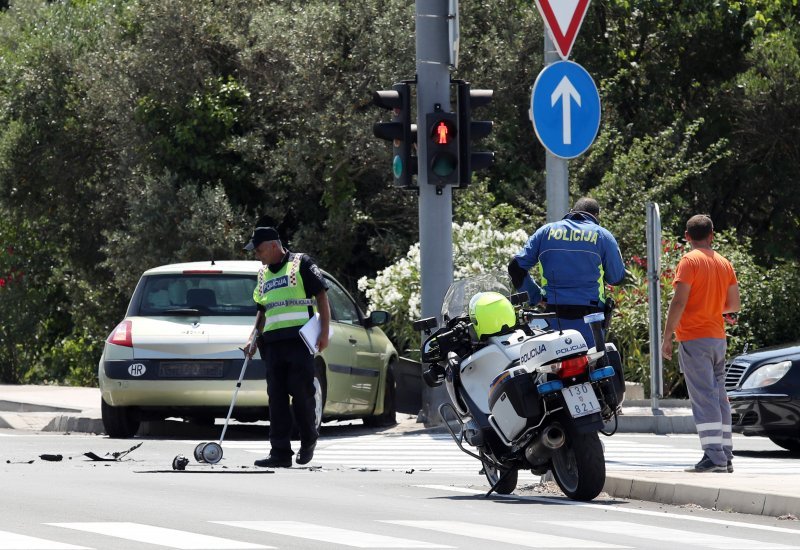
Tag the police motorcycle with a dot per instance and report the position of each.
(523, 393)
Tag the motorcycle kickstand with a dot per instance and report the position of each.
(499, 480)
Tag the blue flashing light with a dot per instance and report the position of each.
(549, 387)
(600, 374)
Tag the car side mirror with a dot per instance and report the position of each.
(378, 318)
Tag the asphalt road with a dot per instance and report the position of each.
(139, 502)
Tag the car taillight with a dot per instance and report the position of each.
(202, 271)
(121, 335)
(573, 367)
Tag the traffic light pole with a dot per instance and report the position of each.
(556, 169)
(435, 202)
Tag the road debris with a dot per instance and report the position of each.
(179, 462)
(111, 457)
(52, 458)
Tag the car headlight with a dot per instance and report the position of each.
(766, 375)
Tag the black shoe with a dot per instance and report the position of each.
(705, 465)
(730, 466)
(273, 461)
(305, 454)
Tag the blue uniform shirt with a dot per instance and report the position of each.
(577, 258)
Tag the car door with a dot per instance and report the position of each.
(360, 377)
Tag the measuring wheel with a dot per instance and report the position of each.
(198, 452)
(211, 452)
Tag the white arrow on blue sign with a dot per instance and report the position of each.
(565, 109)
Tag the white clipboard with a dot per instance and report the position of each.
(310, 333)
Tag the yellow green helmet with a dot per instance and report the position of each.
(491, 313)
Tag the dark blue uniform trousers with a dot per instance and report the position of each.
(290, 372)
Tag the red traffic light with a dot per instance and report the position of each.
(443, 132)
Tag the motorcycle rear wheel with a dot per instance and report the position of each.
(579, 466)
(493, 473)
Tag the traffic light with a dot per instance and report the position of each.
(469, 130)
(399, 131)
(442, 136)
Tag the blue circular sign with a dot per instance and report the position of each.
(565, 109)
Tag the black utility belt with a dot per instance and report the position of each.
(571, 312)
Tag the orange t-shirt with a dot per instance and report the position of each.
(709, 275)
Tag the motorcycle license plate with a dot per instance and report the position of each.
(581, 399)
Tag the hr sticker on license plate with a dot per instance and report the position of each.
(581, 399)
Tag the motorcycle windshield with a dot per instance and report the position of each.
(456, 300)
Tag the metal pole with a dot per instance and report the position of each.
(435, 203)
(556, 169)
(654, 299)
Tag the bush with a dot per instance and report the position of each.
(477, 248)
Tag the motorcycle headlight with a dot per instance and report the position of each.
(767, 375)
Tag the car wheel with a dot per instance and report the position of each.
(320, 394)
(789, 443)
(389, 415)
(206, 420)
(119, 422)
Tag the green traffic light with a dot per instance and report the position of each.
(397, 166)
(443, 164)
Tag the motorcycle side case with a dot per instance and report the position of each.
(519, 388)
(614, 387)
(479, 369)
(513, 400)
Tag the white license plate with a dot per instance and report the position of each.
(581, 399)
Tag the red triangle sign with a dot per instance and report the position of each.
(563, 19)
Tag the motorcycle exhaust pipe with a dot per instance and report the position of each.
(553, 436)
(541, 448)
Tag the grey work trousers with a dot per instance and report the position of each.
(702, 362)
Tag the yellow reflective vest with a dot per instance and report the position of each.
(283, 296)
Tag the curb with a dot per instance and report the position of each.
(679, 493)
(656, 424)
(78, 424)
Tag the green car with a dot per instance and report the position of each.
(177, 353)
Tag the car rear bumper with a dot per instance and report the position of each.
(764, 414)
(176, 383)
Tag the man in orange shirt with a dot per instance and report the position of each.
(705, 288)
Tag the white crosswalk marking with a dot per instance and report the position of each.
(333, 535)
(437, 453)
(677, 537)
(541, 534)
(161, 536)
(505, 535)
(420, 452)
(13, 541)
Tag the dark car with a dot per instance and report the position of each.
(764, 391)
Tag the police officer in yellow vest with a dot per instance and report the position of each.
(290, 290)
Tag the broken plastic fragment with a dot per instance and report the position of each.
(52, 458)
(111, 457)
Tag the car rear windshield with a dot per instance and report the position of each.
(193, 294)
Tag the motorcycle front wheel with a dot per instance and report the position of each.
(579, 466)
(493, 474)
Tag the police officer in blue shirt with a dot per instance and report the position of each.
(577, 258)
